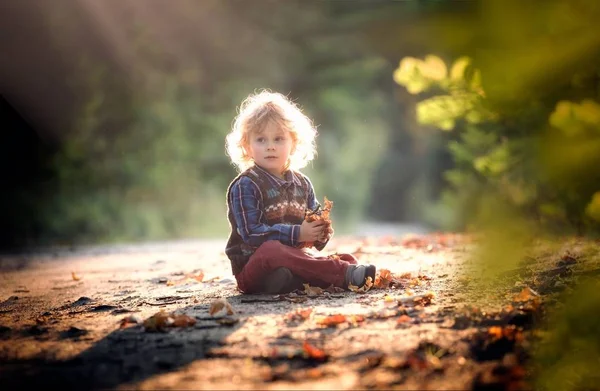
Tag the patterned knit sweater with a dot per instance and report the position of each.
(277, 205)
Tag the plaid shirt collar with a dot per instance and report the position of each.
(289, 178)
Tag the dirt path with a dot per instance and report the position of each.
(60, 323)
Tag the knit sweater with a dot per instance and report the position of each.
(262, 207)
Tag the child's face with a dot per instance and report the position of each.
(271, 148)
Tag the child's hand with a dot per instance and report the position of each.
(310, 232)
(326, 233)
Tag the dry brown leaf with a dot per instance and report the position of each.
(312, 290)
(364, 288)
(418, 300)
(219, 305)
(299, 315)
(403, 319)
(383, 279)
(183, 320)
(130, 321)
(334, 289)
(525, 295)
(320, 214)
(158, 322)
(75, 277)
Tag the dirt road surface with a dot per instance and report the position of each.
(82, 319)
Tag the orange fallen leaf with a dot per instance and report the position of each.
(495, 332)
(199, 276)
(332, 320)
(299, 314)
(75, 277)
(403, 319)
(364, 288)
(525, 295)
(313, 352)
(383, 280)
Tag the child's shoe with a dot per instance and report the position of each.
(357, 275)
(282, 280)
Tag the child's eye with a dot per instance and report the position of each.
(260, 139)
(279, 138)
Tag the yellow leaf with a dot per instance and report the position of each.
(457, 72)
(593, 208)
(434, 68)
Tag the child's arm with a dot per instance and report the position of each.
(246, 204)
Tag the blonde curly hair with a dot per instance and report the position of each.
(259, 110)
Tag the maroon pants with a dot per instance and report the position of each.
(273, 254)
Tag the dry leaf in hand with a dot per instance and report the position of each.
(75, 277)
(319, 214)
(220, 305)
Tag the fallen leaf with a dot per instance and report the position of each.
(299, 315)
(313, 352)
(130, 321)
(158, 322)
(183, 320)
(220, 305)
(199, 276)
(364, 288)
(334, 289)
(403, 319)
(383, 279)
(525, 295)
(332, 320)
(312, 290)
(418, 300)
(75, 277)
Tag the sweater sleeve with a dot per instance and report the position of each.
(247, 207)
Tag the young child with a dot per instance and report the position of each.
(270, 141)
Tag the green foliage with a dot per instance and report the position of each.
(568, 355)
(532, 170)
